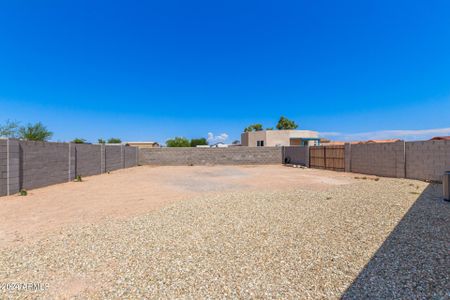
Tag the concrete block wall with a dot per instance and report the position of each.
(298, 155)
(88, 159)
(113, 157)
(427, 160)
(385, 159)
(131, 156)
(29, 164)
(44, 163)
(210, 156)
(3, 167)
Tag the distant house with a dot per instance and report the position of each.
(219, 145)
(143, 144)
(274, 138)
(380, 141)
(441, 138)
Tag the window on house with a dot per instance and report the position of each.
(260, 143)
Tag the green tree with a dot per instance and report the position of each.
(10, 129)
(114, 141)
(178, 142)
(254, 127)
(269, 128)
(285, 123)
(101, 141)
(200, 141)
(35, 132)
(78, 141)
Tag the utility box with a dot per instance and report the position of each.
(446, 185)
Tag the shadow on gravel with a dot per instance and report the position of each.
(414, 261)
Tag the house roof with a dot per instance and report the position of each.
(441, 138)
(380, 141)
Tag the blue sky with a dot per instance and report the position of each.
(151, 70)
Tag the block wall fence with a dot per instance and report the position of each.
(423, 160)
(184, 156)
(29, 164)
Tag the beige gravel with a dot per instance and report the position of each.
(307, 244)
(136, 191)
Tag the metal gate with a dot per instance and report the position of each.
(327, 157)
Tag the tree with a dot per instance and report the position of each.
(254, 127)
(236, 142)
(200, 141)
(114, 141)
(78, 141)
(101, 141)
(178, 142)
(36, 132)
(285, 124)
(10, 129)
(269, 128)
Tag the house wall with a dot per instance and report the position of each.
(273, 138)
(29, 164)
(211, 156)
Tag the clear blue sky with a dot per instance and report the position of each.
(150, 70)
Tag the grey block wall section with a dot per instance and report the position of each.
(45, 163)
(88, 159)
(348, 157)
(113, 157)
(3, 168)
(28, 164)
(131, 156)
(211, 156)
(385, 159)
(297, 155)
(427, 160)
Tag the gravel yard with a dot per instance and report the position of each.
(386, 238)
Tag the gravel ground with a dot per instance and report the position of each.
(296, 244)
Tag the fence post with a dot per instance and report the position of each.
(12, 166)
(122, 156)
(137, 156)
(400, 159)
(72, 162)
(307, 156)
(102, 158)
(348, 157)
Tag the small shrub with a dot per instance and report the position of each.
(78, 178)
(414, 193)
(328, 198)
(376, 179)
(356, 177)
(364, 178)
(23, 192)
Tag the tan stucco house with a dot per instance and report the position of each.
(143, 144)
(274, 138)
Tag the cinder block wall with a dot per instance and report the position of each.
(131, 156)
(427, 160)
(43, 163)
(3, 167)
(298, 155)
(88, 159)
(386, 159)
(211, 156)
(114, 157)
(29, 164)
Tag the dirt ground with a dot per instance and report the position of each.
(135, 191)
(246, 232)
